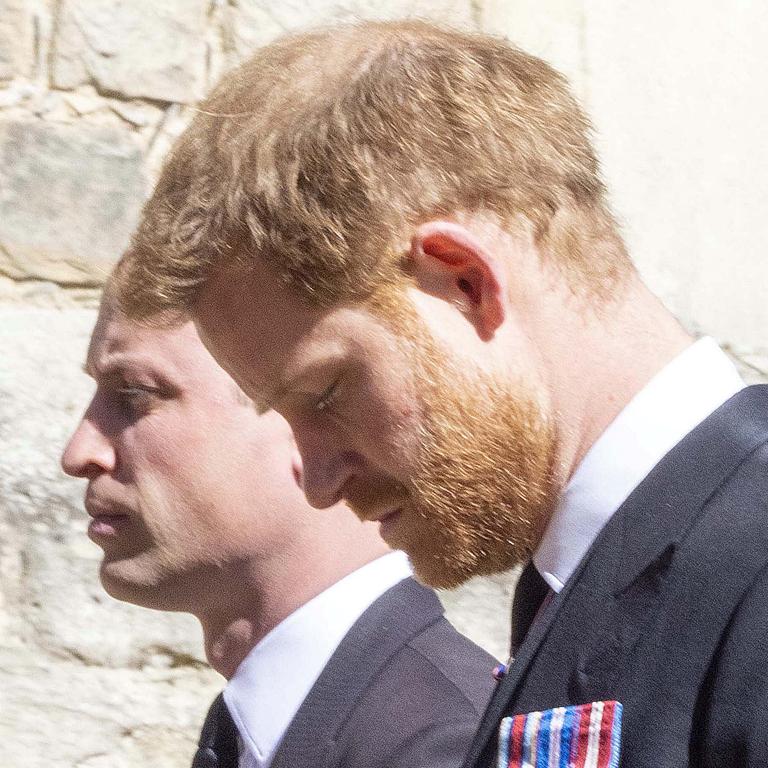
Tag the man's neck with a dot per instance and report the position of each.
(603, 362)
(226, 647)
(255, 604)
(230, 635)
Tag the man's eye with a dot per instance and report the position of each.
(130, 392)
(327, 399)
(136, 399)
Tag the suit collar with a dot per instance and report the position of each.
(270, 684)
(661, 510)
(646, 530)
(653, 521)
(397, 616)
(678, 398)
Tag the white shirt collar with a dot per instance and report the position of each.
(687, 390)
(273, 680)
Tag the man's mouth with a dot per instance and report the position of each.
(105, 522)
(105, 526)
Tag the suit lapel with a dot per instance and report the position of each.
(618, 583)
(510, 683)
(387, 625)
(666, 504)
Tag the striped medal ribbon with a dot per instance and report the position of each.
(583, 736)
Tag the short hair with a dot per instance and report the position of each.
(322, 152)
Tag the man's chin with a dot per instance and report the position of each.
(438, 578)
(446, 572)
(123, 581)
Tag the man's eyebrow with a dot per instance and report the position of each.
(114, 367)
(265, 402)
(111, 368)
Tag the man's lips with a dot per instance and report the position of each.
(107, 520)
(105, 526)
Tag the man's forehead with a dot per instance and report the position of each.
(117, 342)
(251, 323)
(258, 299)
(265, 359)
(266, 335)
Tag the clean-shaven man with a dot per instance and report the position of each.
(334, 655)
(397, 236)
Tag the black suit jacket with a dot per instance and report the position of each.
(403, 690)
(668, 611)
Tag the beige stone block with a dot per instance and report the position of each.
(69, 199)
(153, 49)
(136, 112)
(551, 29)
(252, 23)
(60, 713)
(679, 93)
(16, 39)
(69, 614)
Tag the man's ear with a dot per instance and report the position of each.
(450, 263)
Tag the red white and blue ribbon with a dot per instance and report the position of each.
(583, 736)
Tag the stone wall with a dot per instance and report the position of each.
(92, 94)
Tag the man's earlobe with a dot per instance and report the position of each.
(449, 262)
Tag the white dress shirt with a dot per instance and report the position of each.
(687, 390)
(273, 680)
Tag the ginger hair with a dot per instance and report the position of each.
(321, 153)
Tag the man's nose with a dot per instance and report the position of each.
(327, 467)
(89, 452)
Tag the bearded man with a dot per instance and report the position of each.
(333, 654)
(397, 236)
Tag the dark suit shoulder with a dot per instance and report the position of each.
(733, 705)
(458, 660)
(422, 708)
(668, 612)
(717, 621)
(742, 496)
(403, 690)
